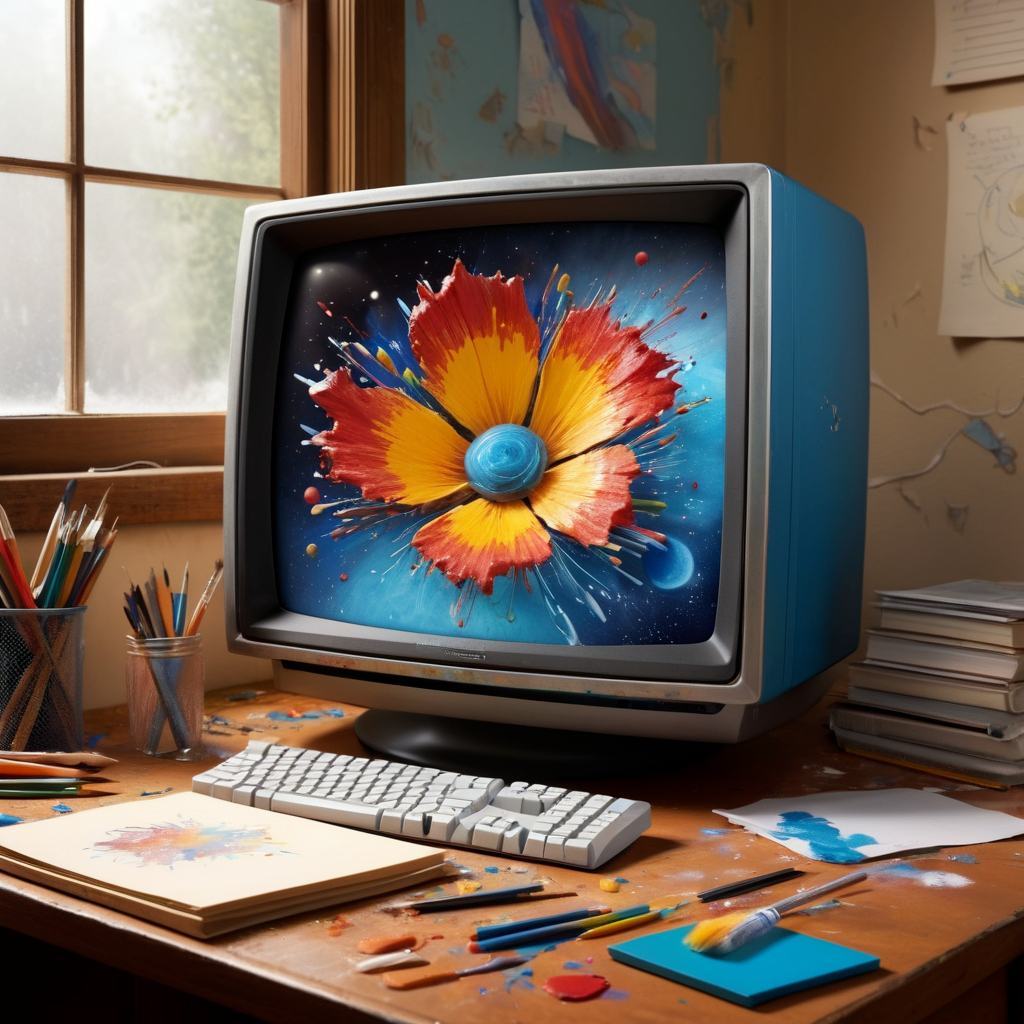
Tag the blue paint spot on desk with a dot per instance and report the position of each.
(8, 819)
(62, 808)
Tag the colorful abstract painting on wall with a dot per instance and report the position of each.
(508, 433)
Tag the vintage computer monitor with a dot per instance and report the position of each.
(583, 451)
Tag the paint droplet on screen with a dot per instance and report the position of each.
(311, 550)
(344, 577)
(609, 885)
(703, 316)
(563, 283)
(695, 485)
(445, 40)
(575, 987)
(461, 623)
(311, 495)
(641, 258)
(325, 309)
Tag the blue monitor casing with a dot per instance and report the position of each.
(774, 380)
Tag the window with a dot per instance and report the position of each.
(131, 137)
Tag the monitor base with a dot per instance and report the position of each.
(514, 752)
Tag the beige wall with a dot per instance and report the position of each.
(854, 76)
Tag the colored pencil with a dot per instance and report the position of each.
(493, 931)
(470, 899)
(553, 933)
(623, 925)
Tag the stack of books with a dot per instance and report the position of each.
(942, 685)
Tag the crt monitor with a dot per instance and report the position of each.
(584, 451)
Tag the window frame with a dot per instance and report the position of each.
(342, 79)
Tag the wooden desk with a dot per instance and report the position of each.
(948, 954)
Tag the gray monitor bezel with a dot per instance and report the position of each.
(280, 234)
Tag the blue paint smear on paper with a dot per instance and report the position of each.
(963, 858)
(8, 819)
(62, 808)
(827, 843)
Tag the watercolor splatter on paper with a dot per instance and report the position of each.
(852, 825)
(170, 843)
(514, 433)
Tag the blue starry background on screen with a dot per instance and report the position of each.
(344, 555)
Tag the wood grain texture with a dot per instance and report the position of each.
(70, 444)
(177, 495)
(938, 947)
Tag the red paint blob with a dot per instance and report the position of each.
(703, 316)
(641, 258)
(695, 485)
(311, 495)
(575, 986)
(461, 623)
(344, 577)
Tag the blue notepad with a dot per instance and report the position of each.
(774, 965)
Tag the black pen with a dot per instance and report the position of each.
(509, 895)
(748, 885)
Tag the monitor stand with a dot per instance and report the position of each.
(516, 752)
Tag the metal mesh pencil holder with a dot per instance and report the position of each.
(41, 659)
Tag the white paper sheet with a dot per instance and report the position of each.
(978, 40)
(850, 826)
(983, 275)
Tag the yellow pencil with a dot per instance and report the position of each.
(620, 926)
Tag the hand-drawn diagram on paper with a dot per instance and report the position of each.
(983, 275)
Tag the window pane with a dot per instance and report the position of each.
(32, 80)
(186, 87)
(159, 282)
(32, 261)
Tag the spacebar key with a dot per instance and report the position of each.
(337, 812)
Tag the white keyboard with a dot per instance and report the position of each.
(537, 822)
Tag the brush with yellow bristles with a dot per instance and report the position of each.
(723, 934)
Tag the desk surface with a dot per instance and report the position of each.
(935, 942)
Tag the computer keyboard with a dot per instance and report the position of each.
(537, 822)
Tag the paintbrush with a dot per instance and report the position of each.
(723, 934)
(204, 599)
(418, 979)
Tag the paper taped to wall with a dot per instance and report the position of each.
(977, 42)
(983, 273)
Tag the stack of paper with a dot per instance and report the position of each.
(942, 687)
(205, 866)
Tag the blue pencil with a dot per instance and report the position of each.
(493, 931)
(552, 933)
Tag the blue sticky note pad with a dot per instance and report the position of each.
(774, 965)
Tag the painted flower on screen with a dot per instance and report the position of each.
(496, 445)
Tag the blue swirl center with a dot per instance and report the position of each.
(506, 462)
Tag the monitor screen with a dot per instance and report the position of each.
(579, 366)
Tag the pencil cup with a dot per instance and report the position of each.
(41, 656)
(164, 680)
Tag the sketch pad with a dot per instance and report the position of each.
(777, 964)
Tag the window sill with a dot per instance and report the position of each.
(167, 495)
